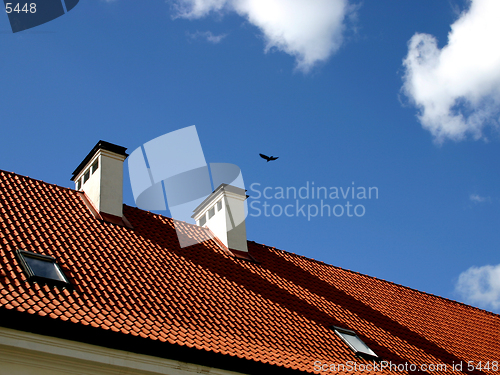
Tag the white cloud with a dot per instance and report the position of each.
(192, 9)
(479, 199)
(457, 88)
(208, 36)
(481, 286)
(309, 30)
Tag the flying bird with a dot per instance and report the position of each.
(268, 158)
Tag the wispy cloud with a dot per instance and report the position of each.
(309, 30)
(480, 286)
(457, 88)
(476, 198)
(208, 36)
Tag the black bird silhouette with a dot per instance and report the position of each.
(268, 158)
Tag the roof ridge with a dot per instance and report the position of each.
(170, 219)
(378, 278)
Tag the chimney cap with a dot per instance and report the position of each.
(101, 145)
(222, 188)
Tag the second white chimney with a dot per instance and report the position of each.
(223, 212)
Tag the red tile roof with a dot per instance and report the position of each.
(139, 283)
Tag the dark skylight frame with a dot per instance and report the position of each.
(355, 343)
(42, 269)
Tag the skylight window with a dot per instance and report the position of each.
(42, 268)
(211, 212)
(219, 205)
(354, 342)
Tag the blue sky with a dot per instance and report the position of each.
(370, 92)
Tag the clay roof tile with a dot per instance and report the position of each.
(140, 282)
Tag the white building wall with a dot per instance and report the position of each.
(24, 353)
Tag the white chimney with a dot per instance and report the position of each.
(223, 212)
(100, 176)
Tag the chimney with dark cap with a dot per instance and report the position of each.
(100, 176)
